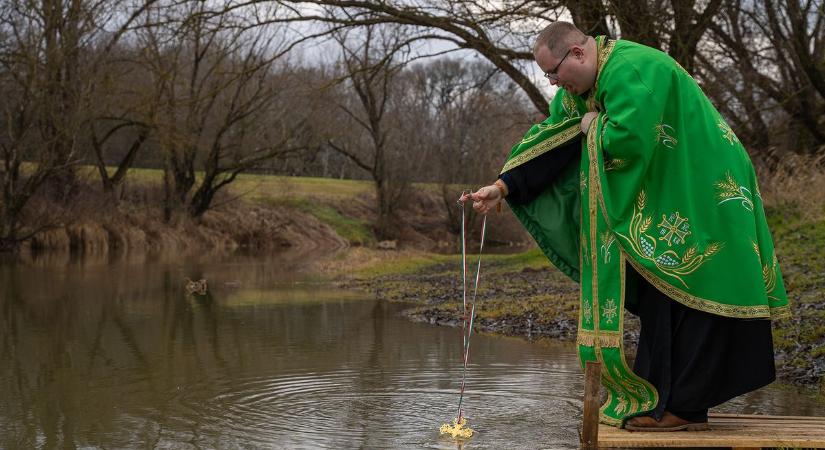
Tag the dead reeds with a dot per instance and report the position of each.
(793, 185)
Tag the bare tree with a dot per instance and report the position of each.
(499, 31)
(47, 81)
(119, 127)
(467, 115)
(372, 62)
(502, 32)
(761, 50)
(216, 84)
(770, 57)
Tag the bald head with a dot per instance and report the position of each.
(558, 37)
(568, 57)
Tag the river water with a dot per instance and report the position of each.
(118, 355)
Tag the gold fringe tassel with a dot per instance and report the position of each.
(605, 339)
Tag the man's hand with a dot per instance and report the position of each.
(585, 125)
(485, 198)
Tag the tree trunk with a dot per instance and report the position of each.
(589, 16)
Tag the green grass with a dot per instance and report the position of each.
(405, 266)
(306, 194)
(353, 230)
(530, 259)
(257, 187)
(262, 187)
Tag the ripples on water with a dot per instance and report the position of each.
(119, 356)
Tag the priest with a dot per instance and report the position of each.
(637, 187)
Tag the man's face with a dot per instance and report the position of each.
(568, 70)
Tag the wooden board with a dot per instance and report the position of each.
(728, 430)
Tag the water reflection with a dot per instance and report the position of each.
(120, 356)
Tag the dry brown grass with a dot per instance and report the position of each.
(794, 185)
(96, 223)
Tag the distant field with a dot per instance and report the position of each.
(269, 187)
(265, 187)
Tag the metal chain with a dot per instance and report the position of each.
(467, 329)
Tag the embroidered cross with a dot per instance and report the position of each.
(609, 311)
(674, 229)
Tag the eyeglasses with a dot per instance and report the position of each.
(553, 75)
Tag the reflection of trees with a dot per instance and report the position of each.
(37, 385)
(76, 359)
(97, 356)
(373, 370)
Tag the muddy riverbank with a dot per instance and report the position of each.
(523, 295)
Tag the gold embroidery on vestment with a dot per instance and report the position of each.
(603, 52)
(768, 271)
(668, 262)
(728, 190)
(542, 147)
(614, 164)
(607, 241)
(727, 132)
(665, 135)
(542, 127)
(674, 229)
(623, 386)
(702, 304)
(609, 310)
(605, 339)
(570, 107)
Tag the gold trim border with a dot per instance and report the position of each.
(545, 127)
(542, 147)
(710, 306)
(603, 52)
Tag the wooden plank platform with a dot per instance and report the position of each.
(727, 430)
(736, 431)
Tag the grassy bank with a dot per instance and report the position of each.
(258, 212)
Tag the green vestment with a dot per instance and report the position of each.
(664, 185)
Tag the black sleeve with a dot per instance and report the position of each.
(527, 181)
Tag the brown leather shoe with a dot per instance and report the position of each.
(669, 422)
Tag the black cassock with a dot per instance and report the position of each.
(696, 360)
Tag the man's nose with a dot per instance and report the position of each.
(553, 81)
